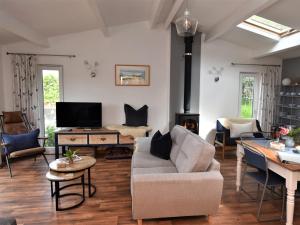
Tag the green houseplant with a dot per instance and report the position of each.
(70, 155)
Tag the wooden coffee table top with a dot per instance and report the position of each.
(85, 163)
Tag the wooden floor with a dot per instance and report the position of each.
(27, 197)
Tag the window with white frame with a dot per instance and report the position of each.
(249, 88)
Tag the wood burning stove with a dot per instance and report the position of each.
(188, 120)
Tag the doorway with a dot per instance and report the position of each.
(51, 91)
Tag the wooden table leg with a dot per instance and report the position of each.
(239, 156)
(291, 185)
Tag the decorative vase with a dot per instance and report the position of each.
(289, 142)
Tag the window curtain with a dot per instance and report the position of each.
(25, 87)
(270, 78)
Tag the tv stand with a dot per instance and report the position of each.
(90, 138)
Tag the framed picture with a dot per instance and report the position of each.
(132, 75)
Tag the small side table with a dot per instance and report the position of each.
(56, 178)
(86, 163)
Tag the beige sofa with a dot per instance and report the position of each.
(188, 184)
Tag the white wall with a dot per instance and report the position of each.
(128, 44)
(221, 99)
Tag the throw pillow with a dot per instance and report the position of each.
(136, 118)
(237, 128)
(21, 141)
(161, 145)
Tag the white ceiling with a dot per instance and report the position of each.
(285, 12)
(52, 17)
(248, 39)
(56, 17)
(6, 37)
(118, 12)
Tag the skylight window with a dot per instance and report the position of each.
(266, 27)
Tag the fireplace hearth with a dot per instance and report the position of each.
(188, 120)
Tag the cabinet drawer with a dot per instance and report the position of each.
(72, 139)
(126, 139)
(96, 139)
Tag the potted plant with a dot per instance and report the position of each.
(289, 135)
(70, 155)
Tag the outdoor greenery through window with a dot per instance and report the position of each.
(51, 96)
(247, 96)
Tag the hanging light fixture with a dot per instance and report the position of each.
(186, 26)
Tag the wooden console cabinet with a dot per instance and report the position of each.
(87, 138)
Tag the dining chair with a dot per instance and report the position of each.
(262, 176)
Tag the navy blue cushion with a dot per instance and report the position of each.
(21, 141)
(135, 117)
(161, 145)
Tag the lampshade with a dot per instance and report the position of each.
(186, 26)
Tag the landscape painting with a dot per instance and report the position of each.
(132, 75)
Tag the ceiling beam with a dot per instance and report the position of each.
(176, 6)
(94, 6)
(159, 5)
(11, 24)
(285, 44)
(245, 11)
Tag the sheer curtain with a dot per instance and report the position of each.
(270, 78)
(25, 87)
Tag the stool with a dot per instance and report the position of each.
(56, 178)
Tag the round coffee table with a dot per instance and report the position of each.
(86, 163)
(57, 177)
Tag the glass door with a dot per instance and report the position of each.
(51, 91)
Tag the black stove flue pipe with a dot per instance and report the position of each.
(187, 73)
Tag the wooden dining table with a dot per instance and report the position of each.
(291, 172)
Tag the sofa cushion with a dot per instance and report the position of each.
(21, 141)
(161, 145)
(146, 160)
(142, 144)
(135, 117)
(154, 170)
(195, 154)
(178, 135)
(237, 128)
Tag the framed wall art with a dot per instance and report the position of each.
(132, 75)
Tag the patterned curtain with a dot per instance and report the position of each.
(25, 87)
(270, 78)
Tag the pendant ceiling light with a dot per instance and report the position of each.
(186, 26)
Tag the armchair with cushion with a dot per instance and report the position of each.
(228, 130)
(18, 139)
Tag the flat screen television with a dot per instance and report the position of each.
(78, 114)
